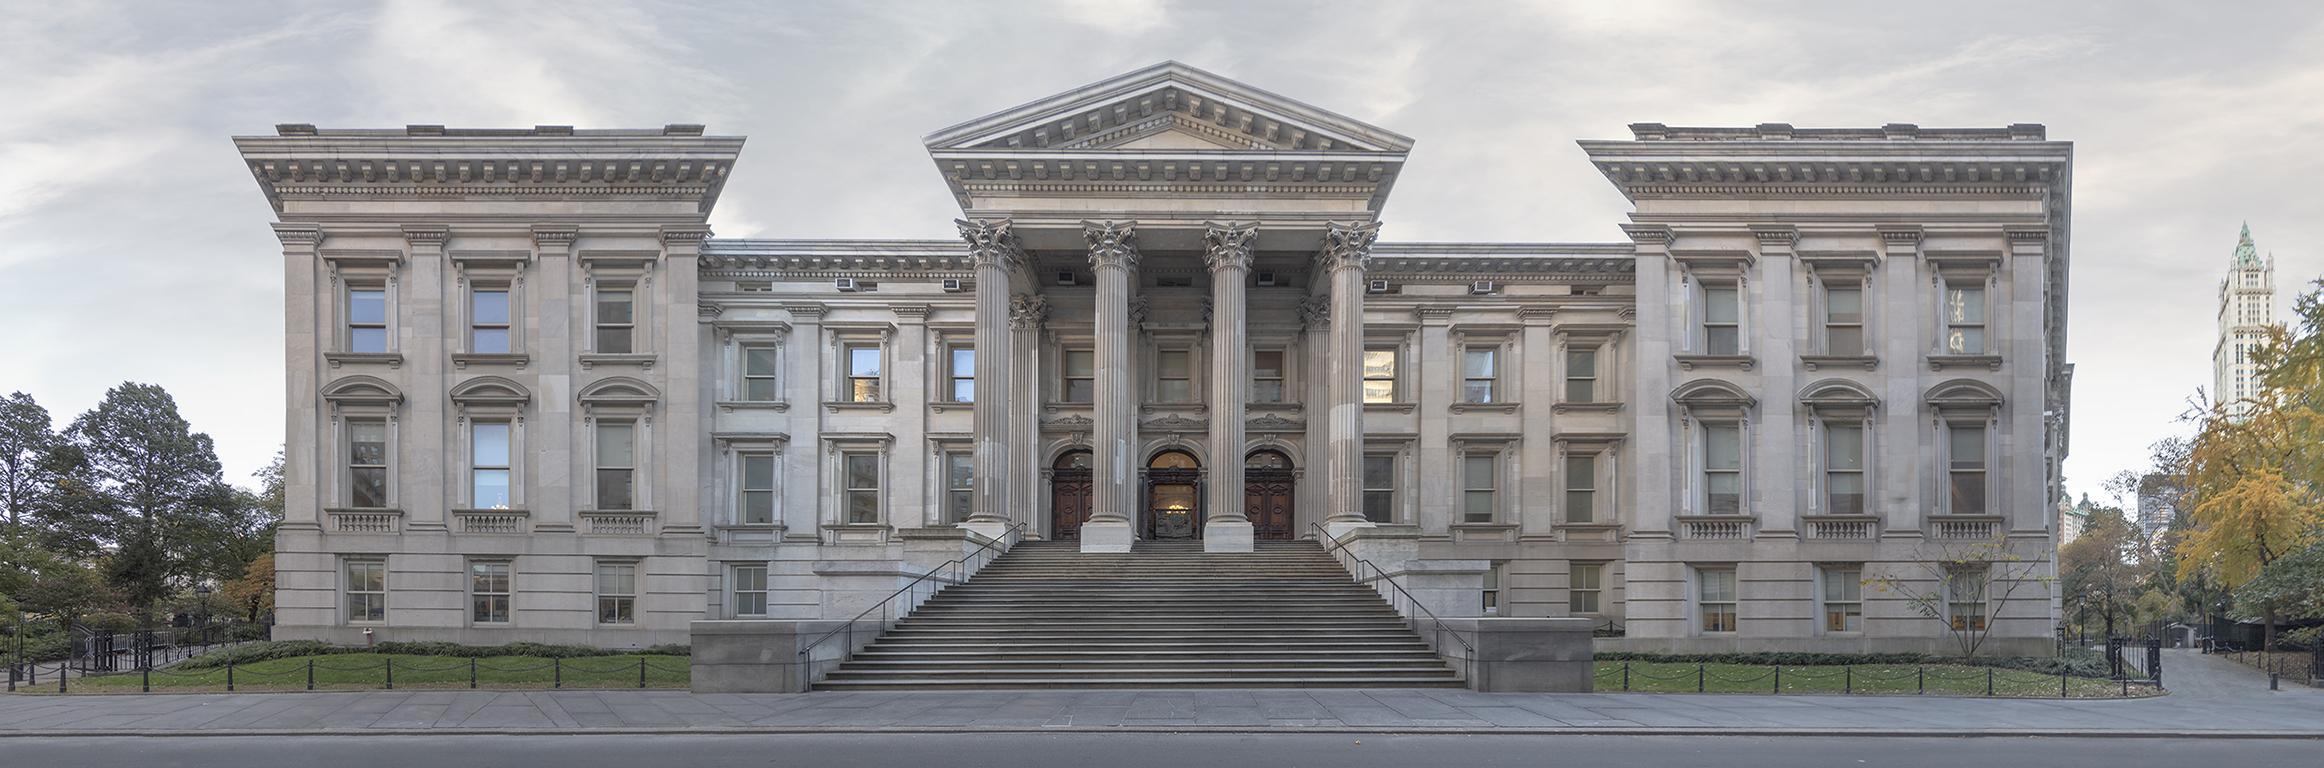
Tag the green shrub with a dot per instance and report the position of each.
(285, 649)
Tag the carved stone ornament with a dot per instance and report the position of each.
(1228, 245)
(1111, 243)
(990, 241)
(1315, 311)
(1347, 246)
(1139, 309)
(1028, 310)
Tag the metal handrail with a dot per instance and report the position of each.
(1010, 537)
(1355, 565)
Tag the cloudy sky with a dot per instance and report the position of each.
(134, 246)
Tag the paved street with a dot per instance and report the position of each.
(1137, 750)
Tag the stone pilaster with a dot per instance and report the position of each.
(1897, 322)
(562, 311)
(681, 489)
(424, 297)
(1028, 313)
(993, 248)
(1347, 249)
(1113, 255)
(1777, 460)
(302, 310)
(1227, 252)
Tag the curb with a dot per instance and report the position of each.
(1229, 729)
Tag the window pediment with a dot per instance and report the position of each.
(362, 390)
(1963, 393)
(490, 390)
(619, 391)
(1702, 393)
(1838, 393)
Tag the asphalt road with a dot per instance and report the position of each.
(1137, 750)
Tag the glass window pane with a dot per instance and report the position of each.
(615, 489)
(758, 361)
(1581, 472)
(1477, 506)
(1378, 505)
(1722, 340)
(758, 507)
(614, 341)
(863, 507)
(1379, 391)
(488, 308)
(863, 470)
(1720, 305)
(1844, 340)
(1477, 363)
(488, 341)
(960, 470)
(758, 471)
(1722, 446)
(1267, 364)
(367, 441)
(370, 487)
(760, 390)
(1968, 493)
(1379, 363)
(1968, 446)
(489, 443)
(1174, 390)
(1172, 364)
(1267, 391)
(964, 390)
(614, 308)
(367, 340)
(1080, 363)
(1079, 390)
(367, 306)
(1477, 471)
(963, 362)
(1965, 305)
(616, 445)
(1965, 341)
(1581, 390)
(1379, 471)
(863, 361)
(1844, 305)
(1843, 446)
(1581, 363)
(490, 489)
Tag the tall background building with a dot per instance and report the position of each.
(2247, 306)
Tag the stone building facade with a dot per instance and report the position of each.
(2247, 309)
(532, 399)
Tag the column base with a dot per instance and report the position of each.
(1227, 536)
(1109, 536)
(1338, 529)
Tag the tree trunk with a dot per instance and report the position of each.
(2267, 642)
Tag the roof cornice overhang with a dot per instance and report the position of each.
(376, 165)
(1830, 168)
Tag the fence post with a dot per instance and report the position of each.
(1920, 680)
(61, 687)
(1625, 677)
(1779, 678)
(145, 680)
(1988, 681)
(1699, 677)
(641, 671)
(471, 673)
(310, 673)
(557, 668)
(229, 674)
(390, 673)
(2062, 679)
(1848, 678)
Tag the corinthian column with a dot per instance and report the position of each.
(1027, 313)
(993, 249)
(1227, 251)
(1346, 250)
(1113, 253)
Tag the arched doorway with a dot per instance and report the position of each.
(1173, 496)
(1070, 488)
(1267, 484)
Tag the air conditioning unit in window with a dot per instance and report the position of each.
(1481, 287)
(1376, 287)
(844, 284)
(954, 285)
(1266, 278)
(1065, 277)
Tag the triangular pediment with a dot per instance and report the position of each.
(1171, 107)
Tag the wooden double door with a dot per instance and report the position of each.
(1173, 496)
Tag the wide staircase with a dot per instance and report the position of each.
(1167, 615)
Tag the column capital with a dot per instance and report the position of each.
(426, 234)
(1111, 243)
(1028, 310)
(560, 237)
(1227, 245)
(1347, 245)
(298, 235)
(1315, 311)
(991, 241)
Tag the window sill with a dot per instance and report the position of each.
(940, 406)
(592, 359)
(1964, 527)
(390, 359)
(1842, 527)
(1941, 362)
(617, 522)
(1716, 527)
(492, 520)
(856, 533)
(1586, 408)
(365, 519)
(1396, 407)
(1490, 532)
(730, 406)
(1818, 362)
(1484, 407)
(836, 406)
(465, 359)
(1691, 362)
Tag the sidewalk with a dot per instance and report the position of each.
(2291, 712)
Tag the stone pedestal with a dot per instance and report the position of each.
(1111, 536)
(763, 656)
(1520, 655)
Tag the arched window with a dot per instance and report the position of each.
(1266, 460)
(1072, 460)
(1173, 460)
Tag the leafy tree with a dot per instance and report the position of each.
(162, 479)
(25, 442)
(2100, 569)
(254, 592)
(2291, 586)
(65, 591)
(1986, 574)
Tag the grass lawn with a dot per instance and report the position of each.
(1936, 679)
(348, 671)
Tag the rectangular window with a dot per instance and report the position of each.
(488, 465)
(616, 592)
(1843, 469)
(959, 485)
(616, 464)
(1965, 599)
(488, 321)
(1380, 488)
(1173, 376)
(1380, 375)
(1267, 376)
(963, 360)
(758, 489)
(1844, 320)
(750, 590)
(367, 320)
(367, 590)
(1715, 597)
(758, 374)
(1723, 469)
(367, 464)
(1581, 488)
(1965, 463)
(1581, 375)
(863, 373)
(616, 320)
(1492, 596)
(1079, 370)
(1477, 374)
(1479, 478)
(1582, 595)
(860, 482)
(1964, 319)
(1843, 599)
(488, 591)
(1722, 320)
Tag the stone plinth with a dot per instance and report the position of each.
(763, 656)
(1519, 655)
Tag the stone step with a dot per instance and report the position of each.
(989, 684)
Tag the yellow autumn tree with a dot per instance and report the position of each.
(2256, 470)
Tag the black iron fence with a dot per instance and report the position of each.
(1903, 679)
